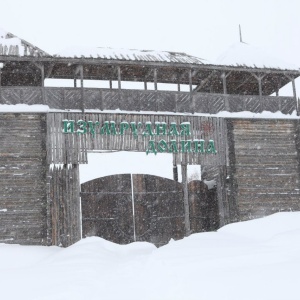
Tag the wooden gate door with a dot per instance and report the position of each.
(158, 214)
(159, 209)
(107, 209)
(107, 212)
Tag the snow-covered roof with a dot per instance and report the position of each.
(14, 46)
(244, 55)
(131, 55)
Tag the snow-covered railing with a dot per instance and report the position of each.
(144, 100)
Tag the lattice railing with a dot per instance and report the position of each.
(141, 100)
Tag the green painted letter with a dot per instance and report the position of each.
(210, 149)
(151, 148)
(68, 126)
(185, 128)
(199, 146)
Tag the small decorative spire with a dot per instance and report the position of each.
(241, 40)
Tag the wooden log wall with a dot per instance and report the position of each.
(23, 171)
(64, 201)
(72, 148)
(144, 100)
(264, 167)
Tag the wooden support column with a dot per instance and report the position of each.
(110, 84)
(43, 75)
(223, 76)
(259, 86)
(155, 79)
(42, 70)
(175, 169)
(1, 67)
(82, 89)
(295, 95)
(119, 78)
(75, 81)
(259, 79)
(294, 88)
(291, 77)
(190, 81)
(145, 85)
(178, 87)
(43, 83)
(187, 224)
(192, 100)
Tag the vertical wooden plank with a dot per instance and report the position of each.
(185, 198)
(119, 78)
(155, 79)
(82, 89)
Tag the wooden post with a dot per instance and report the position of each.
(175, 169)
(1, 66)
(294, 88)
(43, 75)
(224, 83)
(82, 89)
(145, 85)
(185, 199)
(294, 91)
(295, 95)
(155, 79)
(110, 84)
(259, 78)
(75, 82)
(192, 100)
(259, 86)
(43, 83)
(190, 81)
(178, 87)
(119, 77)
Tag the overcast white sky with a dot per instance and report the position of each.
(199, 27)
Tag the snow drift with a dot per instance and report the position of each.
(257, 259)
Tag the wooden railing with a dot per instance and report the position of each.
(141, 100)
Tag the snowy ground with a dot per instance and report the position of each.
(252, 260)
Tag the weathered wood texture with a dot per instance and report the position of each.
(108, 204)
(219, 176)
(64, 202)
(144, 100)
(72, 148)
(107, 208)
(158, 209)
(23, 165)
(204, 210)
(264, 167)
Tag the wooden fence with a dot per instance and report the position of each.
(64, 228)
(144, 100)
(23, 170)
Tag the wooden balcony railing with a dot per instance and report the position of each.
(141, 100)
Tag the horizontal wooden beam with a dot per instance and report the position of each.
(97, 61)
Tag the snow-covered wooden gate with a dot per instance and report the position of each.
(126, 208)
(200, 140)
